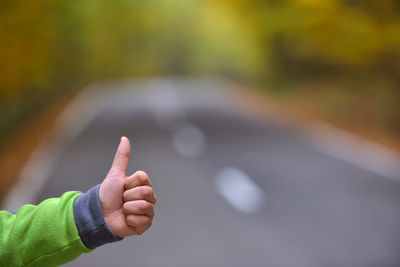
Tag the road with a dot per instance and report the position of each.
(232, 190)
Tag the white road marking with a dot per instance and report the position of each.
(164, 104)
(189, 141)
(164, 101)
(238, 190)
(355, 150)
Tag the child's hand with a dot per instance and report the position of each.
(127, 202)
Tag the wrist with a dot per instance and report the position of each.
(90, 221)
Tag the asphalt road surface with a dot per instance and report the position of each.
(232, 190)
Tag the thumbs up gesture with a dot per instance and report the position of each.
(127, 202)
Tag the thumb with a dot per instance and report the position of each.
(121, 158)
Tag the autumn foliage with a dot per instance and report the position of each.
(344, 49)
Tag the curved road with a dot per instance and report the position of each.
(232, 191)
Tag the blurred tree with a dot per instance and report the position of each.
(50, 47)
(353, 42)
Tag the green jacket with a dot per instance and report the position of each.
(56, 231)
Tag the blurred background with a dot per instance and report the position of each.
(222, 98)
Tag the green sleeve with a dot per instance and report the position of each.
(43, 235)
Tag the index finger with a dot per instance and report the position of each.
(137, 179)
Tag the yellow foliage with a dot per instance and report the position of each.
(53, 45)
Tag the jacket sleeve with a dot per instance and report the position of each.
(55, 232)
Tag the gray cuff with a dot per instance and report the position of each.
(89, 220)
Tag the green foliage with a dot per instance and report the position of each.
(331, 34)
(48, 47)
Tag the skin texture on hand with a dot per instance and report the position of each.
(127, 202)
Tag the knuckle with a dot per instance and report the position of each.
(143, 205)
(145, 222)
(142, 177)
(148, 224)
(142, 174)
(127, 183)
(151, 207)
(130, 220)
(125, 195)
(125, 206)
(146, 191)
